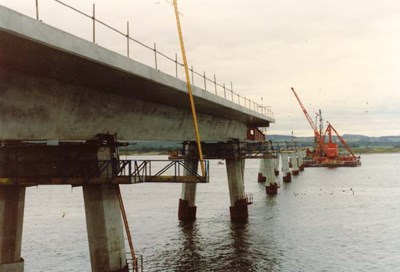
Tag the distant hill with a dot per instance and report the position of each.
(352, 139)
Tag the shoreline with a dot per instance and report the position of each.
(356, 151)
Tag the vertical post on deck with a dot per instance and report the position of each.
(37, 10)
(127, 39)
(224, 90)
(191, 70)
(94, 23)
(215, 83)
(176, 65)
(205, 81)
(155, 55)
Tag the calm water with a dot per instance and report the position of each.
(315, 223)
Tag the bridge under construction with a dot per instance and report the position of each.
(67, 105)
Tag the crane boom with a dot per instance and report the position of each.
(313, 126)
(320, 146)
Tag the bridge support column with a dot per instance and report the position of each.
(12, 203)
(272, 187)
(104, 227)
(261, 171)
(276, 165)
(103, 215)
(287, 177)
(187, 208)
(239, 202)
(295, 164)
(300, 155)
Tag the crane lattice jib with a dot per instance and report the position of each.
(313, 126)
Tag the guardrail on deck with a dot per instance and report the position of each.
(213, 86)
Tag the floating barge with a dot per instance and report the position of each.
(342, 162)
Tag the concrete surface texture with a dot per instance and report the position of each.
(57, 86)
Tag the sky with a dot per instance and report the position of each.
(342, 57)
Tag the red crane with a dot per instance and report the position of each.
(351, 158)
(319, 140)
(327, 154)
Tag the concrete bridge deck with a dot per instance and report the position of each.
(57, 86)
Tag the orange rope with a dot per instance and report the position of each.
(189, 87)
(128, 233)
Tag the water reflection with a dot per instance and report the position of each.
(226, 249)
(190, 252)
(241, 259)
(232, 252)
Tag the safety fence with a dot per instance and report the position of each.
(207, 83)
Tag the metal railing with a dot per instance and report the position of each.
(137, 170)
(148, 170)
(131, 266)
(214, 87)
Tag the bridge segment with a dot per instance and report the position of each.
(56, 86)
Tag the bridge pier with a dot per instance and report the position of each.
(301, 161)
(295, 164)
(12, 203)
(233, 152)
(103, 216)
(239, 202)
(104, 228)
(287, 176)
(187, 208)
(261, 172)
(276, 165)
(272, 187)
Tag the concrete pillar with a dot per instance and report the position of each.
(261, 171)
(103, 216)
(295, 164)
(187, 207)
(301, 161)
(104, 227)
(235, 171)
(12, 203)
(287, 177)
(272, 186)
(276, 165)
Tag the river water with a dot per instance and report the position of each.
(343, 219)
